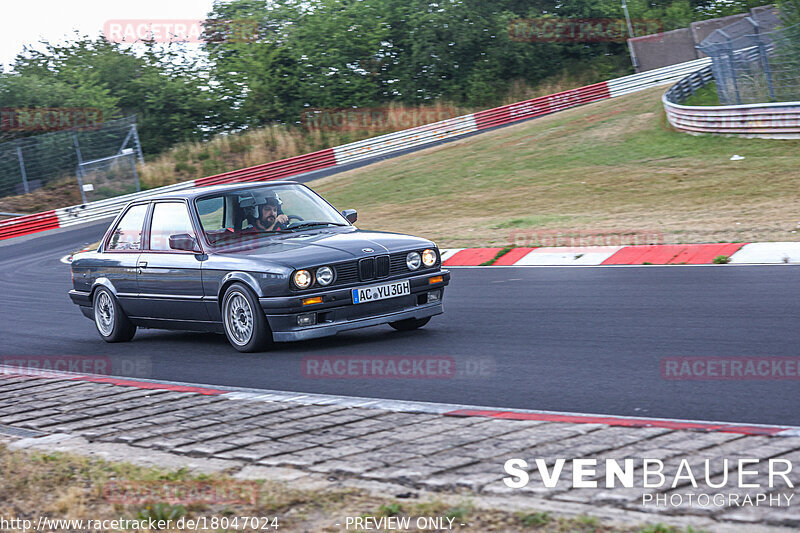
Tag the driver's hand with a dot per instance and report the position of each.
(281, 219)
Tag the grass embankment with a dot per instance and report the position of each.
(63, 486)
(612, 166)
(704, 96)
(230, 152)
(261, 145)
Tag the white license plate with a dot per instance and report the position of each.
(381, 292)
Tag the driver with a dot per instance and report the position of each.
(269, 216)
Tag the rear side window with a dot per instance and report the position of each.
(169, 218)
(128, 233)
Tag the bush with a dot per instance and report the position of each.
(180, 166)
(238, 146)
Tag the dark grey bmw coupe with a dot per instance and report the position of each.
(261, 263)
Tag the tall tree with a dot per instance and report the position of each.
(168, 89)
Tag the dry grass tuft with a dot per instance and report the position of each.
(63, 486)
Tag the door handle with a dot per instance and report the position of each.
(142, 264)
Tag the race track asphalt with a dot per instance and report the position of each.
(586, 340)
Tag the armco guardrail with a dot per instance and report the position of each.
(780, 120)
(368, 148)
(653, 78)
(689, 85)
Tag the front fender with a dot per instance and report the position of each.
(244, 277)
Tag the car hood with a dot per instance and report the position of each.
(312, 248)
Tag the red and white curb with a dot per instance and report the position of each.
(760, 253)
(457, 410)
(768, 252)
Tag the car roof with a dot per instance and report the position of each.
(194, 192)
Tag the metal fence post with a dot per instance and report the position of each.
(135, 174)
(138, 144)
(631, 35)
(22, 169)
(132, 133)
(731, 55)
(79, 170)
(717, 75)
(762, 52)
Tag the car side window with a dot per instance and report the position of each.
(212, 212)
(169, 218)
(128, 233)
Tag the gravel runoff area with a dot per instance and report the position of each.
(413, 455)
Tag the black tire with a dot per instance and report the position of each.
(110, 320)
(245, 324)
(409, 323)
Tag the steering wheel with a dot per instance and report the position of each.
(289, 221)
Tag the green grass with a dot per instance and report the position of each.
(613, 165)
(533, 221)
(704, 96)
(534, 519)
(497, 256)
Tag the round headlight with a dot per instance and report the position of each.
(302, 279)
(413, 261)
(324, 275)
(428, 257)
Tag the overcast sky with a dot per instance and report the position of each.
(27, 21)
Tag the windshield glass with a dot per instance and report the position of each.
(231, 216)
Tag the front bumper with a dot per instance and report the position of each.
(337, 312)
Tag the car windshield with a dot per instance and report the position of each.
(232, 216)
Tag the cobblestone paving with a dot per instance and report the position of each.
(419, 451)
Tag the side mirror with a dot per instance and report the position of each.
(351, 215)
(183, 241)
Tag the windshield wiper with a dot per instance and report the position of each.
(315, 223)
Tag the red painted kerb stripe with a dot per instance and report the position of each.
(617, 421)
(149, 385)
